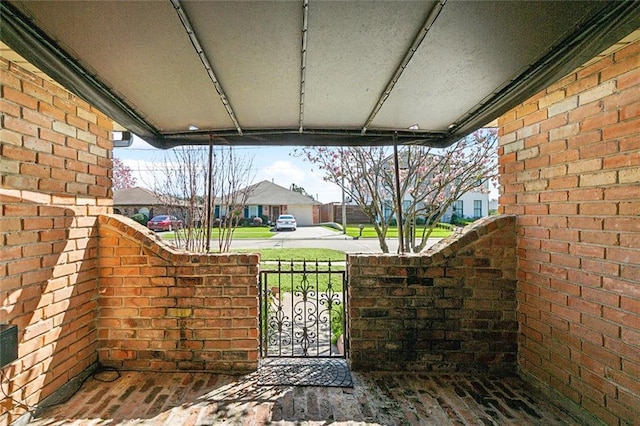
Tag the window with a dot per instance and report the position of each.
(458, 208)
(477, 208)
(253, 211)
(387, 211)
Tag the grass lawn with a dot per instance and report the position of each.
(288, 281)
(297, 254)
(392, 232)
(245, 232)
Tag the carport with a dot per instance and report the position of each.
(306, 72)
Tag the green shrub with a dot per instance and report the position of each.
(140, 218)
(337, 314)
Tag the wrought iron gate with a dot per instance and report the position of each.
(302, 310)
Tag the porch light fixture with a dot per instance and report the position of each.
(121, 139)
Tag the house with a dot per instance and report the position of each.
(471, 204)
(271, 200)
(263, 199)
(135, 200)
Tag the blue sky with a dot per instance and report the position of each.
(269, 163)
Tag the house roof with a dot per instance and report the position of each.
(268, 193)
(310, 72)
(135, 197)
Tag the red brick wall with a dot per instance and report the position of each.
(332, 212)
(55, 171)
(166, 310)
(570, 171)
(451, 309)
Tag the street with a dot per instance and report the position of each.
(320, 237)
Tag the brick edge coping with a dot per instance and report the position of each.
(151, 241)
(450, 245)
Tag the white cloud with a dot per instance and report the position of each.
(284, 173)
(282, 170)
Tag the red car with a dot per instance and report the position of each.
(164, 223)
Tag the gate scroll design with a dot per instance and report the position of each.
(302, 310)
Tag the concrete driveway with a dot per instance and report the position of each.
(320, 237)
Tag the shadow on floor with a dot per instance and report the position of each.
(147, 398)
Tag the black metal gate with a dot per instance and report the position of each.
(302, 311)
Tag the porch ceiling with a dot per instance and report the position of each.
(310, 72)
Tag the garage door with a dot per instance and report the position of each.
(303, 214)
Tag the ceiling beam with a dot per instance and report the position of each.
(293, 137)
(303, 61)
(205, 62)
(417, 41)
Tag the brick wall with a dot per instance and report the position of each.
(166, 310)
(570, 171)
(451, 309)
(332, 212)
(55, 170)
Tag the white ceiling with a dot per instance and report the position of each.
(363, 81)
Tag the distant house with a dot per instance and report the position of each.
(264, 199)
(471, 204)
(268, 199)
(135, 200)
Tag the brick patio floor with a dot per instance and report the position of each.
(145, 398)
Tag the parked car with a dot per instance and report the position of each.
(286, 221)
(164, 223)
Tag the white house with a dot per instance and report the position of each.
(472, 204)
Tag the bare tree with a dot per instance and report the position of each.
(230, 181)
(300, 190)
(431, 180)
(181, 181)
